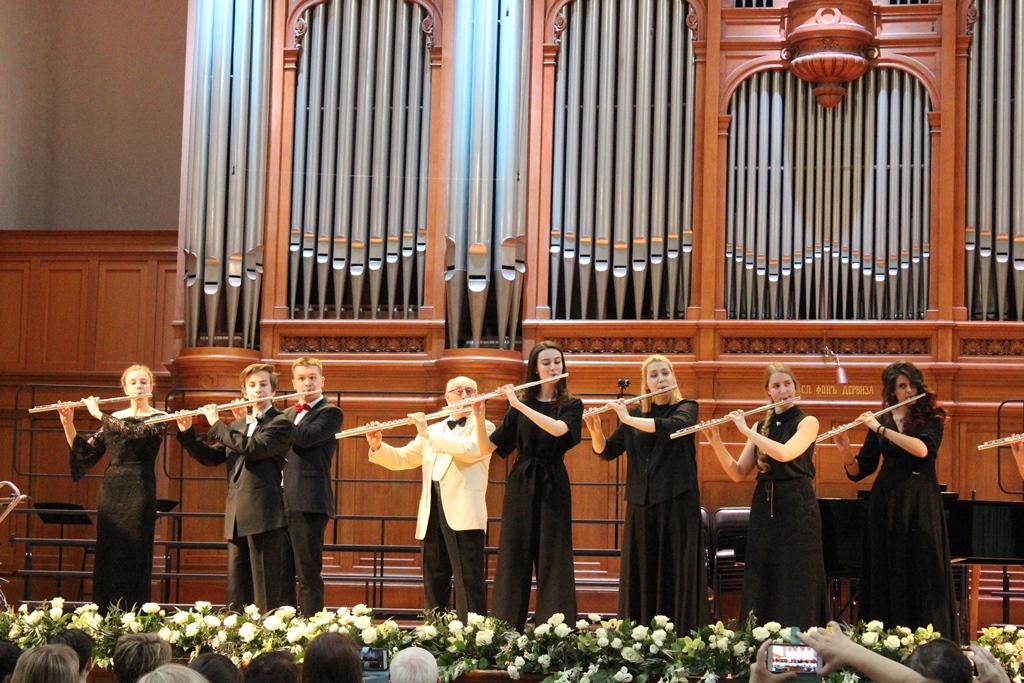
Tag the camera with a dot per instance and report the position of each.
(374, 658)
(797, 658)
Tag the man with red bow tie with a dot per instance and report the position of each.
(308, 498)
(452, 519)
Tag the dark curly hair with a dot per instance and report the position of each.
(921, 410)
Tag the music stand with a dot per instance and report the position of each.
(59, 512)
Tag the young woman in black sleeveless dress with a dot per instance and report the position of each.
(784, 576)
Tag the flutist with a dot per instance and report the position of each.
(906, 578)
(254, 447)
(452, 517)
(126, 505)
(784, 578)
(662, 569)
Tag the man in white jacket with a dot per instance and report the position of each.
(452, 518)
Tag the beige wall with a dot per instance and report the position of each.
(26, 144)
(95, 121)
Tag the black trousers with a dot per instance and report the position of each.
(453, 555)
(303, 558)
(254, 570)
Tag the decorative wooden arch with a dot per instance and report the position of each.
(296, 8)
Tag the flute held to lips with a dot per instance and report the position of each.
(169, 417)
(81, 404)
(722, 420)
(627, 401)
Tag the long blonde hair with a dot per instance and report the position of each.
(762, 458)
(645, 405)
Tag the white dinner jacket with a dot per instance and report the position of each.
(464, 482)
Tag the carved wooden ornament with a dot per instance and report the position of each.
(829, 43)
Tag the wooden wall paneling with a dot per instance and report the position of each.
(14, 307)
(64, 301)
(123, 324)
(165, 346)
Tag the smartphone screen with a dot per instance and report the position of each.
(798, 658)
(374, 658)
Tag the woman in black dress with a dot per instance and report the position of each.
(906, 576)
(663, 562)
(784, 577)
(536, 518)
(127, 498)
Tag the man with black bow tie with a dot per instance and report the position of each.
(254, 447)
(452, 518)
(308, 499)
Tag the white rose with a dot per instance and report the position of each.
(247, 632)
(295, 634)
(230, 621)
(369, 635)
(164, 633)
(869, 639)
(660, 634)
(1009, 628)
(544, 661)
(175, 636)
(875, 626)
(670, 626)
(127, 618)
(485, 637)
(362, 610)
(739, 649)
(594, 617)
(654, 649)
(180, 618)
(556, 619)
(602, 642)
(273, 623)
(203, 605)
(640, 632)
(192, 629)
(562, 630)
(722, 644)
(56, 613)
(211, 621)
(542, 630)
(57, 602)
(286, 612)
(362, 622)
(150, 608)
(786, 634)
(513, 672)
(631, 655)
(455, 626)
(773, 626)
(246, 657)
(35, 617)
(760, 633)
(892, 642)
(623, 675)
(135, 626)
(661, 620)
(251, 610)
(519, 661)
(617, 644)
(475, 619)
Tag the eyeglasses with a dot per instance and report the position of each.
(462, 391)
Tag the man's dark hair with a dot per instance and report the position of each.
(332, 658)
(79, 641)
(941, 660)
(272, 667)
(9, 653)
(216, 668)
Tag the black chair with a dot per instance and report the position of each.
(729, 527)
(709, 550)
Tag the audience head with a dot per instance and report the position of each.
(79, 641)
(941, 660)
(272, 667)
(173, 673)
(216, 668)
(332, 657)
(137, 654)
(9, 654)
(47, 664)
(413, 665)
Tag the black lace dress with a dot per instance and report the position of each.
(126, 506)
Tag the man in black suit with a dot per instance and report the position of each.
(254, 447)
(308, 499)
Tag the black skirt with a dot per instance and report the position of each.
(663, 563)
(784, 576)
